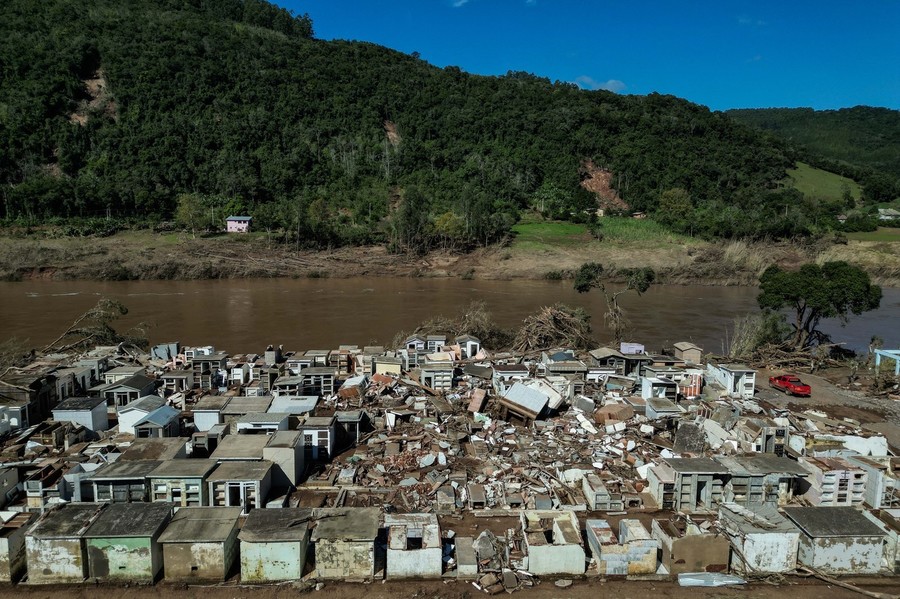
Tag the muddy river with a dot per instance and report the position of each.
(246, 315)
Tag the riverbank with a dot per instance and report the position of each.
(533, 255)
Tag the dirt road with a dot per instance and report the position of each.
(582, 589)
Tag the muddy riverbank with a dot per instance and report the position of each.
(144, 255)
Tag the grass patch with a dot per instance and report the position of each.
(644, 230)
(531, 235)
(889, 234)
(534, 235)
(816, 183)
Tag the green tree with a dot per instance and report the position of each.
(832, 290)
(675, 209)
(450, 229)
(846, 196)
(589, 276)
(189, 211)
(410, 224)
(551, 201)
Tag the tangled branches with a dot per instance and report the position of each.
(474, 320)
(94, 327)
(554, 326)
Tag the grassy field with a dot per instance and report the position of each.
(644, 231)
(816, 183)
(889, 234)
(533, 234)
(537, 235)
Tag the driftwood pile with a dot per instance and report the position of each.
(554, 326)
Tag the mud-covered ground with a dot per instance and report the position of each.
(794, 588)
(833, 394)
(136, 255)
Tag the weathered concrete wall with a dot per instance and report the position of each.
(466, 561)
(54, 561)
(180, 483)
(842, 555)
(189, 562)
(124, 559)
(289, 462)
(414, 563)
(768, 552)
(345, 559)
(204, 421)
(699, 553)
(266, 562)
(632, 558)
(12, 556)
(556, 559)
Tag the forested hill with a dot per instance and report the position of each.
(142, 107)
(862, 142)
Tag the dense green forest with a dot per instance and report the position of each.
(862, 143)
(196, 109)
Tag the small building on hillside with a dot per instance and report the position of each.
(319, 435)
(177, 381)
(122, 544)
(437, 374)
(265, 423)
(469, 346)
(598, 495)
(238, 224)
(27, 398)
(162, 449)
(200, 544)
(285, 451)
(658, 388)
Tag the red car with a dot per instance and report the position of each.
(790, 384)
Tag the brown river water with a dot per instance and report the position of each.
(244, 315)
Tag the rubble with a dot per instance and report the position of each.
(566, 432)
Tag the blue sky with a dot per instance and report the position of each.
(724, 54)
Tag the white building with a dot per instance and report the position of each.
(414, 546)
(553, 542)
(737, 380)
(763, 540)
(89, 412)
